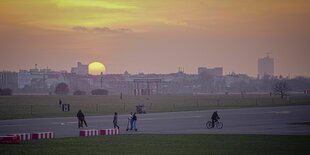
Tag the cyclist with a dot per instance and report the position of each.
(214, 118)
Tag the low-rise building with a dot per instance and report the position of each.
(8, 80)
(80, 69)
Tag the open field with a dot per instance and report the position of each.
(166, 144)
(14, 107)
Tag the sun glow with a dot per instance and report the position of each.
(96, 68)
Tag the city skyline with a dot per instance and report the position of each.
(156, 36)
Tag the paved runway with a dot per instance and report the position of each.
(267, 120)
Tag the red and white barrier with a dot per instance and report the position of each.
(42, 135)
(109, 131)
(89, 132)
(22, 136)
(9, 140)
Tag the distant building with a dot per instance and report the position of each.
(80, 69)
(236, 78)
(265, 67)
(8, 80)
(217, 71)
(52, 79)
(24, 78)
(147, 86)
(38, 78)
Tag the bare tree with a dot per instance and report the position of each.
(280, 88)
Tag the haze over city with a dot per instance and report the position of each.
(154, 77)
(156, 36)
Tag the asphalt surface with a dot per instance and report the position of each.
(267, 120)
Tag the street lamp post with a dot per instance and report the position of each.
(101, 79)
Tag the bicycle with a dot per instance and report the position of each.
(217, 124)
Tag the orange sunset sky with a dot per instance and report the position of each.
(156, 36)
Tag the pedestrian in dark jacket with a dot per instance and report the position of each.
(81, 119)
(115, 121)
(60, 102)
(134, 121)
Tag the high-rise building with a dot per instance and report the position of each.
(265, 67)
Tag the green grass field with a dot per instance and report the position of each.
(14, 107)
(165, 144)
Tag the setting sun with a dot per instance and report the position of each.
(96, 68)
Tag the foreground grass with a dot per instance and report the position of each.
(165, 144)
(14, 107)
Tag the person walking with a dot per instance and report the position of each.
(115, 120)
(134, 122)
(81, 119)
(60, 103)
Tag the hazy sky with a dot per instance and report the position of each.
(156, 36)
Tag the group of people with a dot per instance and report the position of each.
(132, 119)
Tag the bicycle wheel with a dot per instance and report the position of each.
(219, 125)
(209, 124)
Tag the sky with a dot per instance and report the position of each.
(156, 36)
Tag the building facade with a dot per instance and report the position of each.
(81, 69)
(8, 80)
(217, 71)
